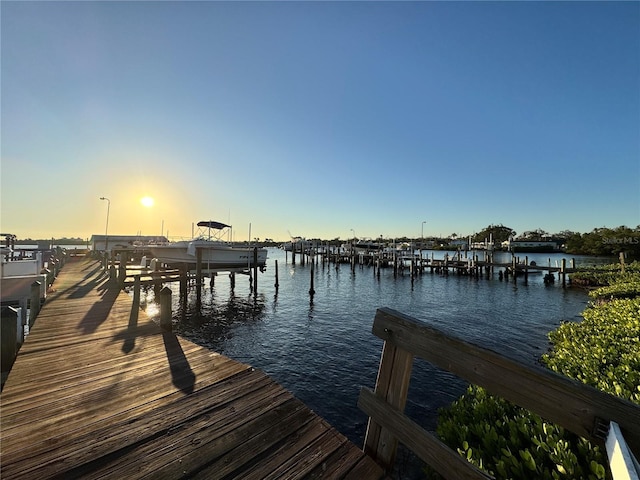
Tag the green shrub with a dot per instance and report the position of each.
(603, 350)
(627, 289)
(510, 442)
(607, 275)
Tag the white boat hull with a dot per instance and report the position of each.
(215, 256)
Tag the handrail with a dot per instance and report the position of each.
(575, 406)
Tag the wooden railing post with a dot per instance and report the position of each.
(392, 386)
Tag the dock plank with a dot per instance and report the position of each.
(98, 390)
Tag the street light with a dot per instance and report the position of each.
(106, 228)
(422, 231)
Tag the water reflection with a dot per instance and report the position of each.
(210, 320)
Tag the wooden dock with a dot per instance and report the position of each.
(100, 390)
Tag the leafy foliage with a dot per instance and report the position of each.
(630, 289)
(500, 234)
(607, 275)
(603, 350)
(606, 242)
(510, 442)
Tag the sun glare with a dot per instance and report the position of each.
(147, 201)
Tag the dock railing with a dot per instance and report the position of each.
(584, 410)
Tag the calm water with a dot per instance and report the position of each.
(323, 350)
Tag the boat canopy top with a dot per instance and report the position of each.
(212, 224)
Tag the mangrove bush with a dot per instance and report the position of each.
(602, 351)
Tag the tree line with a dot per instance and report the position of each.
(600, 241)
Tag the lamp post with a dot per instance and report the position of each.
(106, 228)
(422, 232)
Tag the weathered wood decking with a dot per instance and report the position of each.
(99, 390)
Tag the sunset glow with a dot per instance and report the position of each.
(147, 201)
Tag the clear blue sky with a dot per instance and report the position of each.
(317, 118)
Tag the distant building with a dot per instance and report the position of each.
(530, 246)
(462, 244)
(482, 246)
(123, 241)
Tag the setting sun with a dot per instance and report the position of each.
(147, 201)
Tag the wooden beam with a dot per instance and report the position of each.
(436, 454)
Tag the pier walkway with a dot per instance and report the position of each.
(99, 390)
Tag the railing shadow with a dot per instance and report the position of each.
(93, 280)
(99, 311)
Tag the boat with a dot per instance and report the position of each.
(297, 244)
(216, 253)
(364, 246)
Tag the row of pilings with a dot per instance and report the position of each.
(462, 263)
(17, 319)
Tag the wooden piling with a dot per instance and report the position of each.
(199, 269)
(277, 284)
(165, 309)
(136, 291)
(184, 273)
(24, 306)
(8, 337)
(35, 302)
(122, 268)
(255, 270)
(311, 289)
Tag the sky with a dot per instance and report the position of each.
(318, 119)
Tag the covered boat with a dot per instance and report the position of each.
(216, 253)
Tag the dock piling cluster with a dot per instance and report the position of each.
(416, 263)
